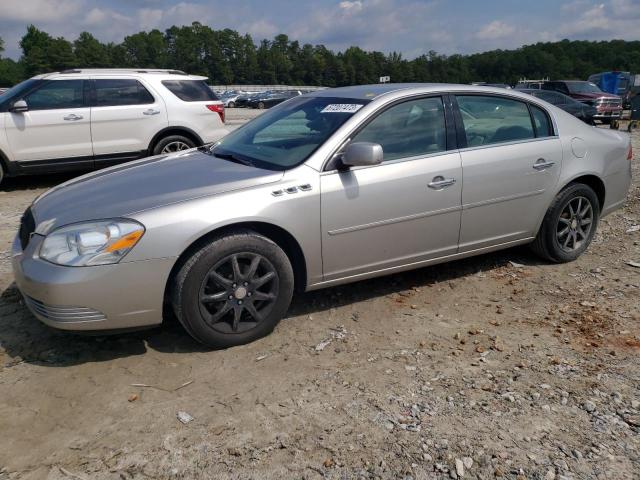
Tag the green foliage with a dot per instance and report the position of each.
(226, 57)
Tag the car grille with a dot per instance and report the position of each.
(610, 102)
(27, 227)
(63, 314)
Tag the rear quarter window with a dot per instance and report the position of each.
(542, 122)
(190, 90)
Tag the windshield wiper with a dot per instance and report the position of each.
(233, 158)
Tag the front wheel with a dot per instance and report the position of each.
(234, 290)
(1, 174)
(569, 225)
(261, 105)
(231, 105)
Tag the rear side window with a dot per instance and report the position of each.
(408, 129)
(542, 122)
(489, 119)
(114, 92)
(190, 90)
(56, 94)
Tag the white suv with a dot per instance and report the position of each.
(88, 119)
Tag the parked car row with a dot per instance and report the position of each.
(260, 100)
(89, 119)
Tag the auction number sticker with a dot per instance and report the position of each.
(342, 108)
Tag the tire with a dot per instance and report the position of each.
(212, 301)
(260, 105)
(550, 241)
(165, 145)
(1, 174)
(633, 125)
(615, 125)
(231, 105)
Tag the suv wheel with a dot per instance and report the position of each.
(261, 105)
(234, 290)
(231, 105)
(569, 225)
(172, 144)
(2, 172)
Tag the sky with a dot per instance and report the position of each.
(411, 27)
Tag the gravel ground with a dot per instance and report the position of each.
(499, 366)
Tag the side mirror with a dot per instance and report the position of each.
(19, 107)
(362, 154)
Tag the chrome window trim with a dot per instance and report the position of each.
(502, 144)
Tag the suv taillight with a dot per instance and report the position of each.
(219, 109)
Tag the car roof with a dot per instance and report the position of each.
(371, 92)
(145, 72)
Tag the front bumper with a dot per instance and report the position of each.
(105, 297)
(608, 114)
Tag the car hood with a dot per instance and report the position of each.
(141, 185)
(594, 96)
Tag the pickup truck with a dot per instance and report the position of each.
(608, 106)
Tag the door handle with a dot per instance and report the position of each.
(439, 182)
(73, 117)
(542, 164)
(151, 111)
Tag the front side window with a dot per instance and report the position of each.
(408, 129)
(114, 92)
(489, 119)
(57, 94)
(190, 90)
(286, 135)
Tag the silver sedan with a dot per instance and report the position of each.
(327, 188)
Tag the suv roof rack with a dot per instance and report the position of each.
(124, 70)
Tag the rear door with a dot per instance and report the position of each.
(125, 116)
(56, 126)
(403, 211)
(511, 165)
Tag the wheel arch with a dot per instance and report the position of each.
(591, 180)
(167, 131)
(275, 233)
(4, 162)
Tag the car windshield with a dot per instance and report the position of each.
(289, 133)
(583, 87)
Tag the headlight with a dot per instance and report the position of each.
(91, 243)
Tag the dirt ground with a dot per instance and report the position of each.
(496, 366)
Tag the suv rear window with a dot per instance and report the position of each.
(190, 90)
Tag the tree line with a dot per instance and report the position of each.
(228, 57)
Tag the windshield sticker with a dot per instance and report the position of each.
(342, 108)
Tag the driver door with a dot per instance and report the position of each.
(402, 211)
(56, 126)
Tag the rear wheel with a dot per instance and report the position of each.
(172, 144)
(569, 225)
(234, 290)
(231, 105)
(261, 105)
(1, 173)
